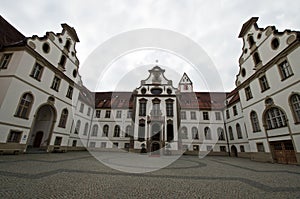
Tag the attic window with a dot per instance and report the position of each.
(67, 45)
(256, 58)
(243, 72)
(251, 41)
(46, 47)
(275, 43)
(74, 73)
(62, 61)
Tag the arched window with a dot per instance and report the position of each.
(256, 58)
(63, 118)
(95, 130)
(220, 133)
(77, 127)
(254, 121)
(239, 131)
(230, 133)
(24, 106)
(128, 132)
(183, 133)
(62, 61)
(67, 45)
(195, 133)
(251, 41)
(86, 128)
(117, 131)
(207, 133)
(141, 130)
(105, 130)
(275, 118)
(295, 104)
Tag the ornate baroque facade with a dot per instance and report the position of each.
(44, 105)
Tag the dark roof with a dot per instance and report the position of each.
(86, 96)
(71, 31)
(9, 35)
(122, 100)
(235, 97)
(247, 25)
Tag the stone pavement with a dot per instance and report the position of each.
(80, 175)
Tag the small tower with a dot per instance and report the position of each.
(185, 84)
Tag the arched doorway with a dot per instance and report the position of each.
(155, 148)
(234, 151)
(42, 128)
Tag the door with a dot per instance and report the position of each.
(38, 139)
(234, 151)
(283, 152)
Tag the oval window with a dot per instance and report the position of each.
(156, 91)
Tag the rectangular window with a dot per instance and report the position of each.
(264, 85)
(248, 93)
(55, 83)
(169, 109)
(205, 116)
(98, 112)
(69, 92)
(183, 115)
(37, 71)
(107, 114)
(103, 145)
(142, 111)
(209, 148)
(129, 114)
(193, 115)
(14, 136)
(195, 147)
(5, 60)
(260, 147)
(81, 108)
(234, 110)
(223, 148)
(227, 114)
(115, 145)
(242, 148)
(57, 141)
(285, 70)
(218, 115)
(89, 111)
(74, 143)
(92, 144)
(119, 114)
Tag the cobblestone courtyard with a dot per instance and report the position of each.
(80, 175)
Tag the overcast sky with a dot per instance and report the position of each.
(214, 25)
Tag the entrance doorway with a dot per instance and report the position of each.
(234, 152)
(283, 152)
(155, 148)
(41, 131)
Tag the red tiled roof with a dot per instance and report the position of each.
(235, 97)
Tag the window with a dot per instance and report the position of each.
(183, 115)
(256, 58)
(156, 108)
(92, 144)
(193, 115)
(209, 148)
(239, 131)
(195, 133)
(86, 128)
(260, 147)
(107, 114)
(74, 143)
(117, 131)
(195, 147)
(220, 133)
(254, 121)
(205, 116)
(81, 108)
(105, 130)
(169, 108)
(14, 136)
(295, 103)
(37, 71)
(119, 114)
(24, 107)
(251, 41)
(57, 141)
(183, 133)
(95, 130)
(55, 83)
(234, 110)
(89, 111)
(98, 112)
(70, 92)
(115, 145)
(227, 114)
(264, 85)
(230, 133)
(285, 70)
(141, 131)
(62, 61)
(248, 93)
(63, 118)
(5, 60)
(218, 115)
(77, 127)
(67, 45)
(128, 131)
(242, 148)
(129, 114)
(142, 111)
(223, 148)
(103, 145)
(275, 118)
(207, 133)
